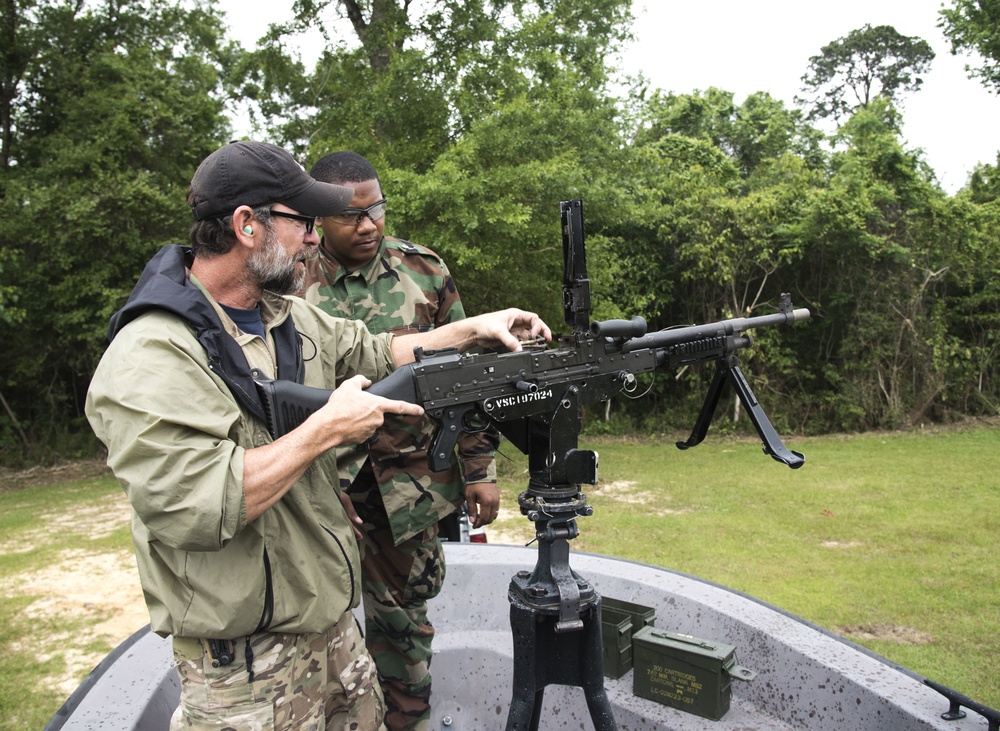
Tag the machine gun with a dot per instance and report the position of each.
(596, 362)
(535, 398)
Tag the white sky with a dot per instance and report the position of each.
(745, 46)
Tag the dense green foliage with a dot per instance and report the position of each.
(112, 110)
(974, 25)
(482, 116)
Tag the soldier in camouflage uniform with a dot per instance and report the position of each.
(399, 287)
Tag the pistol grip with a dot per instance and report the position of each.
(450, 420)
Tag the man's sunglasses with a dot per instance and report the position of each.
(353, 216)
(308, 221)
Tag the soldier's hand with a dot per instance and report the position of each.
(508, 328)
(352, 514)
(482, 500)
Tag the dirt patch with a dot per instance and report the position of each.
(886, 633)
(510, 528)
(513, 529)
(101, 590)
(95, 594)
(622, 491)
(92, 523)
(841, 545)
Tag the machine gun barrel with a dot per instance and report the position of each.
(723, 328)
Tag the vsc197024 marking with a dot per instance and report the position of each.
(520, 399)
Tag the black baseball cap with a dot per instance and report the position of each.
(255, 174)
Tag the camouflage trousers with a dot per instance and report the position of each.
(301, 682)
(396, 582)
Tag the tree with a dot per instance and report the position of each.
(851, 72)
(714, 234)
(879, 251)
(20, 43)
(759, 129)
(765, 130)
(973, 305)
(974, 26)
(490, 204)
(702, 115)
(110, 119)
(984, 183)
(400, 81)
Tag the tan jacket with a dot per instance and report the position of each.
(176, 439)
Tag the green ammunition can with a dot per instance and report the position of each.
(641, 615)
(616, 642)
(685, 672)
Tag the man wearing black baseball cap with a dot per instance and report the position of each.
(246, 556)
(257, 173)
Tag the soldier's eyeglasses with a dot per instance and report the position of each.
(353, 216)
(307, 221)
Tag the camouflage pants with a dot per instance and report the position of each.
(303, 682)
(396, 582)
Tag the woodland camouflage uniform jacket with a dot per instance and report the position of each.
(405, 288)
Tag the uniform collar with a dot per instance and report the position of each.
(369, 272)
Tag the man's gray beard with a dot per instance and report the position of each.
(272, 268)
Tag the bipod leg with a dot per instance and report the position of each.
(708, 407)
(727, 370)
(772, 442)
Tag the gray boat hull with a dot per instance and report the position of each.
(807, 678)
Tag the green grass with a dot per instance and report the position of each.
(890, 540)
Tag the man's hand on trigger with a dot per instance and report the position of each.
(482, 500)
